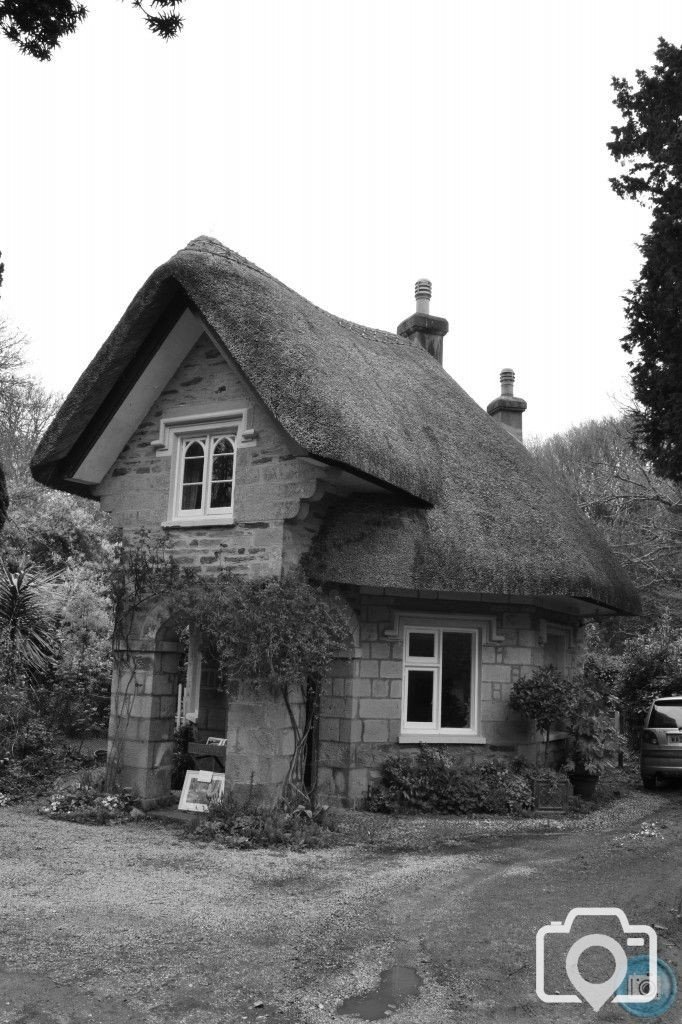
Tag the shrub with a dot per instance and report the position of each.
(244, 824)
(590, 721)
(441, 783)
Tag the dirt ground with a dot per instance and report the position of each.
(139, 923)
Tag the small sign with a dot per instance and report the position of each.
(199, 789)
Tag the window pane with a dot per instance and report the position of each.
(195, 450)
(193, 470)
(455, 709)
(223, 446)
(222, 467)
(191, 496)
(221, 495)
(420, 696)
(422, 645)
(666, 715)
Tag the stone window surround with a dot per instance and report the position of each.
(203, 421)
(484, 630)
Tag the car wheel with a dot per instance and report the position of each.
(649, 781)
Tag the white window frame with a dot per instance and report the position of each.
(208, 441)
(176, 432)
(420, 732)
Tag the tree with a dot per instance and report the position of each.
(4, 499)
(37, 27)
(26, 407)
(638, 512)
(648, 144)
(543, 697)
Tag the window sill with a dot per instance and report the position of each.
(440, 737)
(203, 521)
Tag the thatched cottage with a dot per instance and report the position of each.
(257, 430)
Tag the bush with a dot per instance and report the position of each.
(441, 783)
(651, 666)
(243, 824)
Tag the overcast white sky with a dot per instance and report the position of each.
(348, 147)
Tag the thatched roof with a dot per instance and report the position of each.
(468, 508)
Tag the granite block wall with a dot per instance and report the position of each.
(361, 707)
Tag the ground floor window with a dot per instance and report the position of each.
(440, 680)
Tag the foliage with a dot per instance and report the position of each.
(76, 693)
(25, 619)
(55, 620)
(36, 761)
(638, 513)
(441, 783)
(244, 824)
(650, 666)
(279, 636)
(37, 27)
(53, 529)
(4, 498)
(88, 805)
(648, 145)
(26, 407)
(548, 778)
(543, 697)
(20, 731)
(590, 720)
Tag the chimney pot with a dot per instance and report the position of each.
(507, 378)
(422, 293)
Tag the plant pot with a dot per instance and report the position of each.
(583, 784)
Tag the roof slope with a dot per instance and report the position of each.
(382, 406)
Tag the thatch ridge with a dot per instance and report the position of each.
(477, 512)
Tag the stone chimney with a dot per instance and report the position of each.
(508, 410)
(428, 330)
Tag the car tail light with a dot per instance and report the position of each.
(649, 737)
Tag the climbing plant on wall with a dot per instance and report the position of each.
(273, 636)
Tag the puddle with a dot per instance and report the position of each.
(394, 988)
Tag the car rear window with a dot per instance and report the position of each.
(666, 716)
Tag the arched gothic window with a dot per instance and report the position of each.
(206, 475)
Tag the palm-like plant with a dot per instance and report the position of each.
(25, 619)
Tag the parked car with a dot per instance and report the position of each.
(661, 748)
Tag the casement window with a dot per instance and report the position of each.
(440, 683)
(202, 446)
(206, 476)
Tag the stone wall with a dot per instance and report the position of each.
(260, 742)
(271, 478)
(361, 708)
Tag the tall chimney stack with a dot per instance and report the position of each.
(428, 330)
(508, 410)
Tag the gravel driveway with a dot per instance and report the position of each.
(138, 923)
